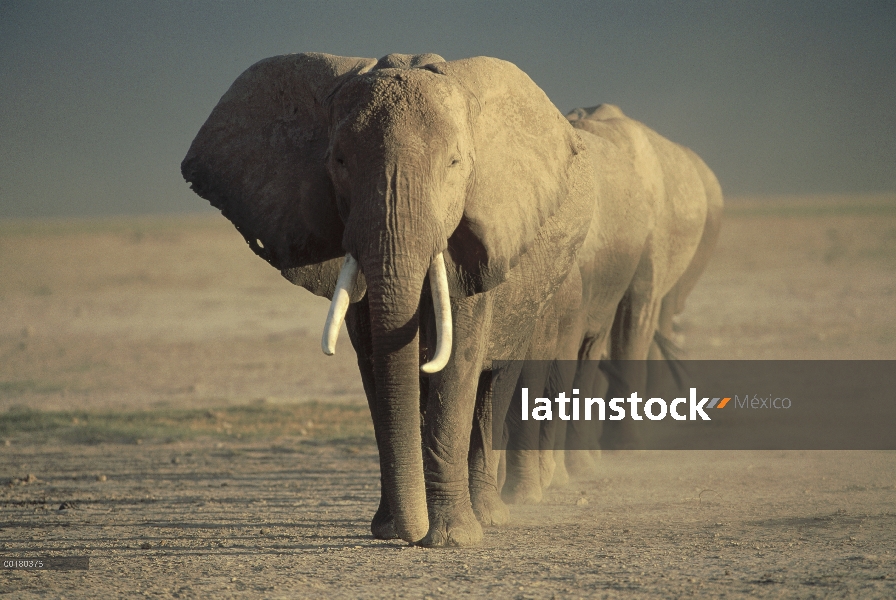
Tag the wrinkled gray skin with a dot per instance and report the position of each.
(657, 218)
(313, 156)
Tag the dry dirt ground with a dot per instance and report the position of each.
(166, 410)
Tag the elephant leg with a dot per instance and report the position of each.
(531, 462)
(522, 484)
(547, 463)
(570, 330)
(551, 430)
(664, 324)
(492, 398)
(357, 322)
(582, 437)
(665, 371)
(632, 334)
(562, 379)
(448, 429)
(552, 433)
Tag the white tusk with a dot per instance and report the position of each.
(438, 283)
(338, 307)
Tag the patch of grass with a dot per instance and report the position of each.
(318, 421)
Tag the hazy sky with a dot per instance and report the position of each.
(100, 100)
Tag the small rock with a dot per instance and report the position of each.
(101, 478)
(29, 478)
(582, 502)
(7, 443)
(67, 505)
(145, 546)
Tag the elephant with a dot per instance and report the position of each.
(657, 219)
(407, 166)
(439, 205)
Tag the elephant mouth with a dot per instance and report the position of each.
(438, 281)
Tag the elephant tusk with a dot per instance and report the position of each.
(438, 283)
(338, 307)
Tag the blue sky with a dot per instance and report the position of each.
(100, 100)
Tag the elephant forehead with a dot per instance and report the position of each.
(394, 98)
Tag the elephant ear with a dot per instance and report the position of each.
(260, 159)
(526, 167)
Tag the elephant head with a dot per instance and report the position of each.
(403, 167)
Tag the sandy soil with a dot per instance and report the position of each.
(158, 315)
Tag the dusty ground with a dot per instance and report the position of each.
(158, 382)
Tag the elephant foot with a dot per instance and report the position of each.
(489, 509)
(382, 526)
(522, 492)
(580, 465)
(524, 476)
(452, 526)
(561, 475)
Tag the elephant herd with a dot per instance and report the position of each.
(459, 224)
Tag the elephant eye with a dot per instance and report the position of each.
(340, 162)
(454, 162)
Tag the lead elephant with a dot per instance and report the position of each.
(360, 180)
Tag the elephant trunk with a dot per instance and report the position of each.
(395, 323)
